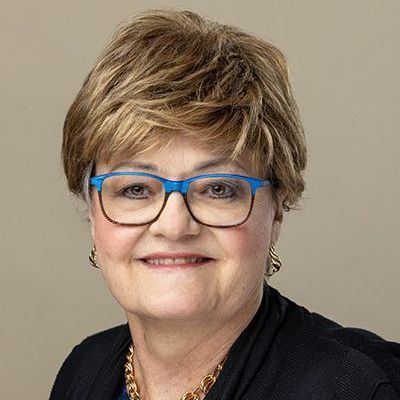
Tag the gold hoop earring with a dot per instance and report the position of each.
(93, 257)
(274, 263)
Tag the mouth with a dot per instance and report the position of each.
(187, 262)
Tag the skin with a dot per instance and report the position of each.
(184, 320)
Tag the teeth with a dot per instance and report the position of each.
(162, 261)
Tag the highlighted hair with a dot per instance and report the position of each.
(167, 73)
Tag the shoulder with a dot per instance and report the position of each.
(360, 344)
(97, 346)
(358, 360)
(370, 364)
(103, 339)
(86, 358)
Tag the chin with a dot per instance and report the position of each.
(172, 306)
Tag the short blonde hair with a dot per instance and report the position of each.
(169, 72)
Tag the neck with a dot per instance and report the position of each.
(171, 357)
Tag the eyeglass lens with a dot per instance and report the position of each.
(219, 201)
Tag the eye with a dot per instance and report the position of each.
(220, 190)
(134, 191)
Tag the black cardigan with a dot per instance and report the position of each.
(286, 352)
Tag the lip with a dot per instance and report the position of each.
(177, 266)
(176, 255)
(153, 256)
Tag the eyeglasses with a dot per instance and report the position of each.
(138, 198)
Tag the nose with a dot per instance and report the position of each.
(175, 221)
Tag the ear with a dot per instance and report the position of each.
(277, 219)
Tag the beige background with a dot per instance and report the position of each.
(341, 252)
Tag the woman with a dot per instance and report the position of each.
(186, 144)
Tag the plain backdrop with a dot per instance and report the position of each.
(340, 252)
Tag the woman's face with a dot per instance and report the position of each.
(227, 285)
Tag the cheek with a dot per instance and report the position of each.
(246, 246)
(252, 238)
(246, 243)
(249, 243)
(243, 268)
(115, 248)
(113, 242)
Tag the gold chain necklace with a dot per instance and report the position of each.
(133, 392)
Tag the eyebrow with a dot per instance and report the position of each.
(198, 168)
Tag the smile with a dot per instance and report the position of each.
(181, 262)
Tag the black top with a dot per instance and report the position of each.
(286, 352)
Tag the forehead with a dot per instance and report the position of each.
(210, 164)
(179, 159)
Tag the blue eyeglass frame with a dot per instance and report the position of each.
(180, 186)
